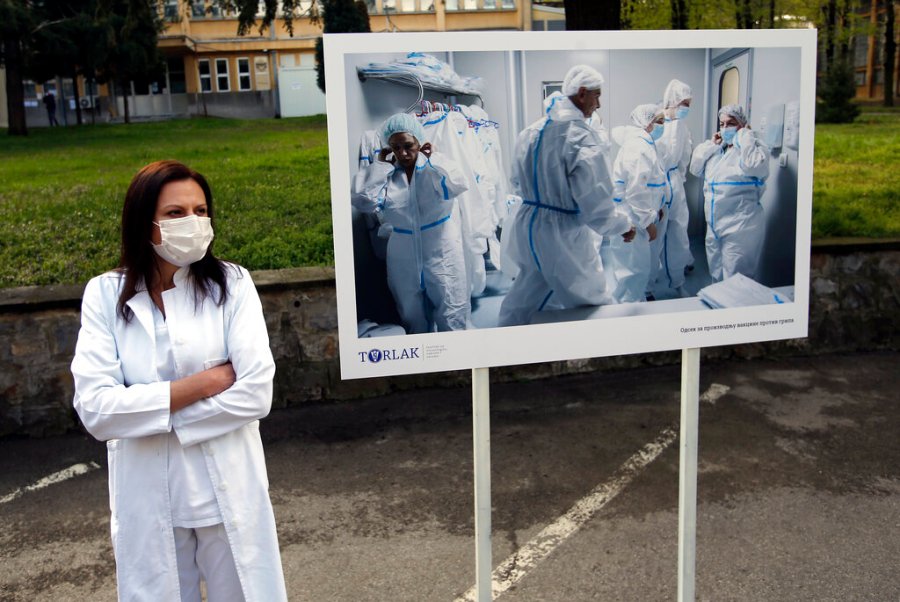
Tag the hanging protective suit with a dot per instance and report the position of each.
(561, 174)
(734, 178)
(425, 264)
(370, 145)
(675, 152)
(642, 190)
(450, 133)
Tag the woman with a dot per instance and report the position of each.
(173, 370)
(415, 191)
(734, 165)
(641, 189)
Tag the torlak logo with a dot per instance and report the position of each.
(374, 356)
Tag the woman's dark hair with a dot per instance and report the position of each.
(137, 261)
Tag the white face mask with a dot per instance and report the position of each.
(184, 240)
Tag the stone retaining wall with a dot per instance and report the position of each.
(855, 305)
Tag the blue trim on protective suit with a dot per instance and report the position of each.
(425, 227)
(544, 302)
(552, 208)
(756, 182)
(531, 239)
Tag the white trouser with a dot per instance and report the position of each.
(204, 553)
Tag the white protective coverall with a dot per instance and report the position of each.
(121, 400)
(426, 268)
(561, 174)
(733, 182)
(450, 133)
(675, 151)
(642, 190)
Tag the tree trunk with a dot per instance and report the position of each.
(679, 14)
(772, 14)
(890, 50)
(830, 27)
(584, 15)
(125, 103)
(15, 90)
(77, 99)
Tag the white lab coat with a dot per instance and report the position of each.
(121, 400)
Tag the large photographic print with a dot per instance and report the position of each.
(507, 198)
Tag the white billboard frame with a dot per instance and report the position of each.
(609, 336)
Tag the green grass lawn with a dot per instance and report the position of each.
(62, 189)
(856, 182)
(61, 199)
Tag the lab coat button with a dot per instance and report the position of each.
(223, 486)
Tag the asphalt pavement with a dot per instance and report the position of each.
(798, 491)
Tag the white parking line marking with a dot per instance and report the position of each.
(713, 393)
(56, 477)
(544, 543)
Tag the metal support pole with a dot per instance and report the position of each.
(687, 483)
(481, 436)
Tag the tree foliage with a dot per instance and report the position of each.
(339, 16)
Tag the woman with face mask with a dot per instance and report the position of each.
(640, 188)
(415, 191)
(173, 370)
(734, 166)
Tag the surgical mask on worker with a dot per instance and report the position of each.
(682, 112)
(184, 240)
(657, 131)
(728, 134)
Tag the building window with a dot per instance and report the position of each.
(861, 51)
(859, 78)
(408, 6)
(175, 67)
(198, 9)
(507, 3)
(205, 75)
(222, 82)
(30, 89)
(243, 65)
(170, 10)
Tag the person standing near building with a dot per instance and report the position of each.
(734, 166)
(49, 101)
(561, 173)
(173, 370)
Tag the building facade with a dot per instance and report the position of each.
(210, 70)
(868, 51)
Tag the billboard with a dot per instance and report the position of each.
(486, 250)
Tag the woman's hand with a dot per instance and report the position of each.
(629, 236)
(383, 155)
(426, 149)
(191, 389)
(651, 230)
(717, 138)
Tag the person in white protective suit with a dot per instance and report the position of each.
(674, 149)
(173, 370)
(642, 190)
(734, 165)
(415, 189)
(561, 174)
